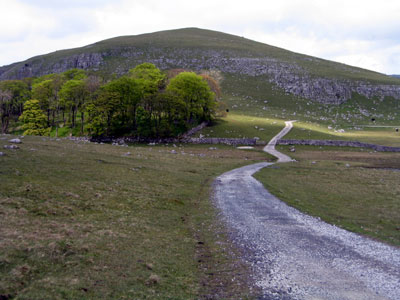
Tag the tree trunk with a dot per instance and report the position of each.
(4, 124)
(48, 118)
(73, 117)
(82, 121)
(54, 117)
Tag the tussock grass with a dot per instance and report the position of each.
(87, 221)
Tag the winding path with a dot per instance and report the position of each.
(295, 256)
(270, 148)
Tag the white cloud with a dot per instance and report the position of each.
(363, 33)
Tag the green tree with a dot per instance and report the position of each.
(129, 92)
(47, 92)
(152, 78)
(194, 91)
(105, 113)
(13, 93)
(5, 109)
(76, 74)
(43, 91)
(73, 95)
(34, 120)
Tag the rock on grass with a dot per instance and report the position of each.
(153, 279)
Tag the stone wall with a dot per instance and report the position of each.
(339, 144)
(226, 141)
(195, 129)
(187, 140)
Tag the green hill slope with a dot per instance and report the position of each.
(258, 79)
(195, 48)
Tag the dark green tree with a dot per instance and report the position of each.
(13, 94)
(73, 95)
(129, 92)
(5, 109)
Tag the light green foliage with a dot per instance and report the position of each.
(150, 75)
(194, 91)
(73, 94)
(139, 105)
(43, 91)
(76, 74)
(19, 90)
(129, 92)
(105, 113)
(34, 119)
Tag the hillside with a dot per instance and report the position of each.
(300, 75)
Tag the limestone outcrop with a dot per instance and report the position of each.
(287, 75)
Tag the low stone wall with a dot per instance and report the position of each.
(187, 140)
(195, 129)
(226, 141)
(339, 144)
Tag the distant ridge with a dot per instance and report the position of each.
(196, 49)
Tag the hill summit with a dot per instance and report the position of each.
(198, 49)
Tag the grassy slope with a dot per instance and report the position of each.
(200, 39)
(249, 98)
(255, 96)
(86, 221)
(355, 190)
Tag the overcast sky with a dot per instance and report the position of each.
(357, 32)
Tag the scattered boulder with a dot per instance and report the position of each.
(2, 154)
(292, 149)
(12, 147)
(15, 141)
(153, 279)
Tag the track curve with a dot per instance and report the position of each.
(295, 256)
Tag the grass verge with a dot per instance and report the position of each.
(86, 221)
(355, 190)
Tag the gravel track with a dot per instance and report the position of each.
(295, 256)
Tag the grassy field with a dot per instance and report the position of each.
(253, 101)
(242, 126)
(358, 191)
(88, 221)
(380, 135)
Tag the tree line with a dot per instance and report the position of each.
(146, 102)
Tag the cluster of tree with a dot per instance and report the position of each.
(13, 94)
(145, 102)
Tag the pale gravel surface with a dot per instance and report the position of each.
(295, 256)
(270, 148)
